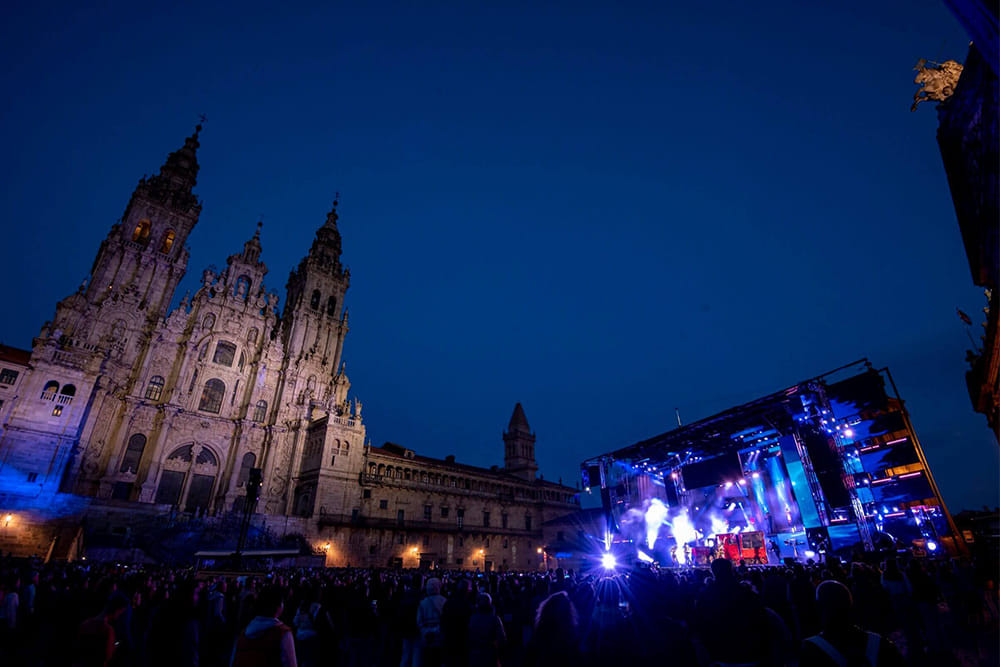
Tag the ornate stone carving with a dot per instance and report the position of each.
(937, 81)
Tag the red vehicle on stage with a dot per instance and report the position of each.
(729, 546)
(752, 547)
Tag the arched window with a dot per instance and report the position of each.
(248, 460)
(212, 395)
(260, 411)
(243, 361)
(141, 232)
(331, 306)
(314, 301)
(225, 352)
(168, 241)
(68, 390)
(49, 392)
(155, 388)
(208, 322)
(133, 453)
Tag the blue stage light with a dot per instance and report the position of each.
(608, 561)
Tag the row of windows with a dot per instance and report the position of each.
(143, 231)
(426, 540)
(383, 504)
(211, 397)
(407, 474)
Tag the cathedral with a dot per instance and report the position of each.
(124, 402)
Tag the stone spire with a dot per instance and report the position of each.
(326, 247)
(518, 421)
(519, 446)
(251, 249)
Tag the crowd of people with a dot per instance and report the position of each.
(921, 612)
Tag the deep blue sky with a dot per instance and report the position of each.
(602, 212)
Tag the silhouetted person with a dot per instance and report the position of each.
(841, 643)
(95, 640)
(174, 632)
(266, 642)
(429, 616)
(731, 621)
(556, 639)
(486, 637)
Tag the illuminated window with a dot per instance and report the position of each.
(8, 376)
(141, 232)
(57, 410)
(168, 241)
(225, 352)
(260, 411)
(155, 388)
(212, 395)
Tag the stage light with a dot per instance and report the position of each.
(932, 545)
(849, 433)
(810, 553)
(756, 475)
(539, 550)
(743, 481)
(608, 561)
(7, 519)
(729, 485)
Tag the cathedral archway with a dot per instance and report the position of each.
(187, 477)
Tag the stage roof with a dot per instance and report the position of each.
(759, 421)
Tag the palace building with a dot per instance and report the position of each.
(123, 402)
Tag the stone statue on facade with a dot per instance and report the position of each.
(937, 81)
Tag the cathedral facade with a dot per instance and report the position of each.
(123, 399)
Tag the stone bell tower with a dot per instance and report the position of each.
(314, 321)
(144, 253)
(519, 446)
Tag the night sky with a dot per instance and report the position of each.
(602, 212)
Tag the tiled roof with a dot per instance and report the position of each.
(14, 355)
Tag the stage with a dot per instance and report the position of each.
(828, 466)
